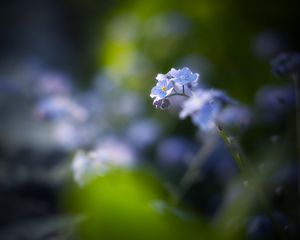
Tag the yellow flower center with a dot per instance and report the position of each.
(164, 89)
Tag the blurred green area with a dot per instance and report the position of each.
(130, 205)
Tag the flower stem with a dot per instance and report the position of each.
(178, 94)
(233, 148)
(236, 153)
(296, 82)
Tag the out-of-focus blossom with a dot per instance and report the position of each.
(143, 132)
(127, 104)
(176, 150)
(53, 84)
(260, 227)
(204, 106)
(275, 102)
(109, 153)
(8, 88)
(57, 107)
(69, 135)
(81, 164)
(236, 116)
(286, 64)
(268, 44)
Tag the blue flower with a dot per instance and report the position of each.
(183, 76)
(236, 116)
(285, 64)
(163, 88)
(204, 106)
(275, 102)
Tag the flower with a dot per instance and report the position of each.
(110, 153)
(286, 64)
(183, 76)
(204, 106)
(236, 116)
(161, 103)
(275, 102)
(163, 88)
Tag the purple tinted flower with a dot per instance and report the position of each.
(162, 103)
(176, 150)
(109, 153)
(162, 89)
(275, 102)
(204, 106)
(143, 132)
(260, 227)
(286, 64)
(161, 77)
(183, 76)
(53, 83)
(268, 44)
(57, 107)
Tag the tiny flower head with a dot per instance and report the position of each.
(183, 76)
(161, 103)
(162, 89)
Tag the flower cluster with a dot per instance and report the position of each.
(175, 82)
(202, 105)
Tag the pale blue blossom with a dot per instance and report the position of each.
(183, 76)
(204, 106)
(162, 89)
(236, 116)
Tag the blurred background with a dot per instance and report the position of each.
(75, 79)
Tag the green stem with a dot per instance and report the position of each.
(178, 94)
(296, 82)
(233, 148)
(236, 154)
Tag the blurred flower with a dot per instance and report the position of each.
(127, 104)
(268, 43)
(275, 102)
(69, 135)
(176, 150)
(236, 116)
(109, 153)
(260, 227)
(286, 64)
(51, 83)
(81, 164)
(204, 106)
(143, 132)
(58, 107)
